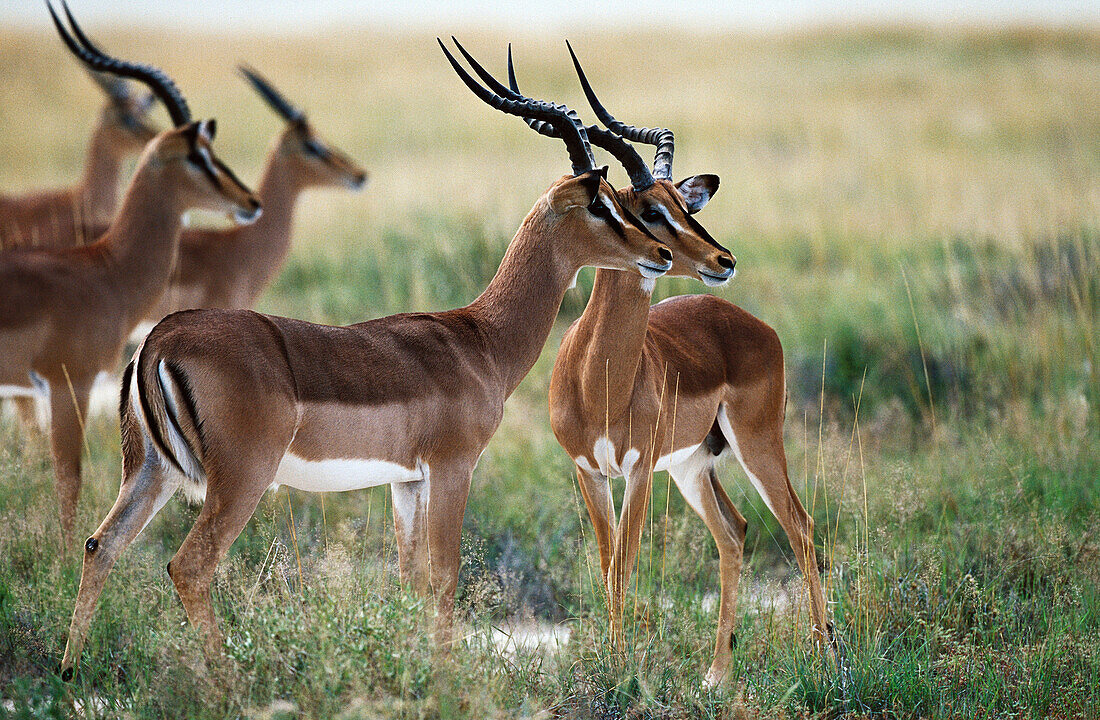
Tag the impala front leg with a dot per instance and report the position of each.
(628, 538)
(447, 495)
(410, 524)
(596, 491)
(67, 413)
(140, 496)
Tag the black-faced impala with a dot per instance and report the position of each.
(677, 387)
(227, 402)
(231, 268)
(65, 314)
(63, 217)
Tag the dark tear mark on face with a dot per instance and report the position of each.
(600, 209)
(695, 227)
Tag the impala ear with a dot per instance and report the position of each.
(577, 191)
(697, 191)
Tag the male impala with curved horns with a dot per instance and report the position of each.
(58, 218)
(65, 314)
(675, 387)
(411, 399)
(230, 268)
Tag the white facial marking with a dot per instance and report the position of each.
(573, 283)
(671, 220)
(340, 474)
(648, 284)
(611, 209)
(727, 430)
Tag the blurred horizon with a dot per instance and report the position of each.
(293, 16)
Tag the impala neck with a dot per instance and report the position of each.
(99, 183)
(143, 240)
(612, 331)
(517, 310)
(263, 246)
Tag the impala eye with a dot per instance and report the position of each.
(651, 215)
(314, 148)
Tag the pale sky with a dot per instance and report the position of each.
(438, 15)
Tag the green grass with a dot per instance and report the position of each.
(879, 186)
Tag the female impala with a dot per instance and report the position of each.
(675, 387)
(226, 403)
(65, 314)
(58, 218)
(230, 268)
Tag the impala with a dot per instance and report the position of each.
(58, 218)
(65, 314)
(231, 268)
(227, 403)
(678, 386)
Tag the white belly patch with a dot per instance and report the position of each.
(340, 474)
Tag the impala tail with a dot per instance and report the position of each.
(159, 408)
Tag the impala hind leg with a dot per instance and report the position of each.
(699, 485)
(67, 413)
(758, 445)
(142, 494)
(230, 504)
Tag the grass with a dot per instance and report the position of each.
(913, 210)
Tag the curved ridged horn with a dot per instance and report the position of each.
(95, 59)
(628, 157)
(573, 134)
(275, 99)
(661, 137)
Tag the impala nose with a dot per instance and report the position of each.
(728, 263)
(665, 254)
(247, 216)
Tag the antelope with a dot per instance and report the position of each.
(228, 403)
(231, 268)
(59, 218)
(677, 386)
(65, 314)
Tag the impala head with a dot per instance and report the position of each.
(125, 117)
(583, 206)
(316, 162)
(664, 207)
(182, 155)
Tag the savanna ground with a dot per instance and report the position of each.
(914, 211)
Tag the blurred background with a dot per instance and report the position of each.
(287, 16)
(913, 194)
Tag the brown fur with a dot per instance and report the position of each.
(654, 380)
(65, 314)
(416, 389)
(69, 217)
